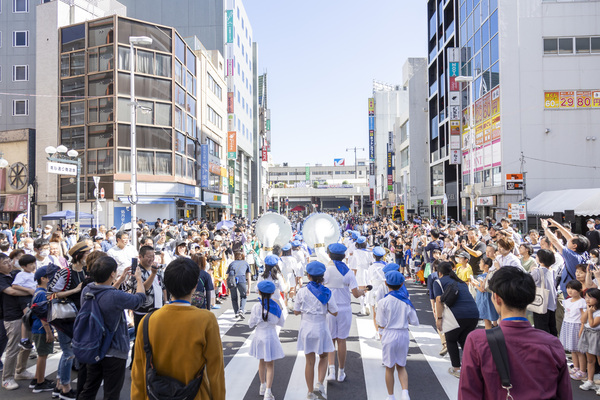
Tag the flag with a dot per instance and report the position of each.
(339, 162)
(445, 199)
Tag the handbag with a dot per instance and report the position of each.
(449, 321)
(497, 344)
(540, 302)
(63, 309)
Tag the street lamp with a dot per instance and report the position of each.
(139, 41)
(469, 79)
(62, 154)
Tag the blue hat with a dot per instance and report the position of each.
(296, 243)
(354, 235)
(391, 267)
(288, 246)
(337, 248)
(271, 259)
(266, 287)
(41, 271)
(378, 251)
(361, 239)
(394, 278)
(315, 268)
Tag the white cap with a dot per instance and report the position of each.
(218, 238)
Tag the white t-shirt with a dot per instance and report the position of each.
(573, 310)
(341, 295)
(25, 279)
(595, 315)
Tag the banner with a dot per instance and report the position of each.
(372, 145)
(231, 145)
(229, 18)
(230, 67)
(204, 165)
(230, 102)
(339, 162)
(371, 106)
(265, 153)
(231, 175)
(390, 169)
(307, 174)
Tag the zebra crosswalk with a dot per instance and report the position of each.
(428, 377)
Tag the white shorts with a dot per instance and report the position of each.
(339, 326)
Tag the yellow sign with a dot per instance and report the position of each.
(551, 100)
(584, 98)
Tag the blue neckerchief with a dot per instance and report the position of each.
(400, 296)
(322, 293)
(342, 267)
(273, 307)
(380, 261)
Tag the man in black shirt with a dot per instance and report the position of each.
(593, 235)
(475, 248)
(11, 314)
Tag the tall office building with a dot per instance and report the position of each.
(220, 25)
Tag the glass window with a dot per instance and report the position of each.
(190, 169)
(73, 138)
(146, 87)
(100, 59)
(64, 114)
(152, 138)
(105, 161)
(437, 180)
(145, 162)
(179, 96)
(494, 23)
(180, 143)
(72, 89)
(100, 33)
(124, 161)
(485, 57)
(178, 71)
(476, 17)
(101, 84)
(495, 74)
(189, 83)
(100, 136)
(163, 163)
(485, 10)
(20, 107)
(595, 44)
(162, 114)
(565, 46)
(163, 65)
(179, 49)
(469, 5)
(190, 62)
(20, 38)
(77, 113)
(497, 176)
(494, 49)
(178, 119)
(145, 62)
(477, 41)
(191, 105)
(64, 65)
(20, 73)
(582, 45)
(145, 112)
(124, 58)
(485, 32)
(91, 161)
(73, 38)
(124, 110)
(161, 37)
(190, 126)
(550, 46)
(20, 6)
(493, 5)
(477, 63)
(179, 166)
(77, 63)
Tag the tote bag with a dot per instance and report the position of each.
(449, 321)
(540, 303)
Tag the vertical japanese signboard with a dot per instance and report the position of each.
(230, 102)
(390, 169)
(231, 145)
(372, 129)
(229, 18)
(231, 175)
(307, 174)
(453, 55)
(204, 165)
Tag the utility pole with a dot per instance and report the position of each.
(355, 163)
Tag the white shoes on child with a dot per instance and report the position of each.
(341, 375)
(331, 373)
(263, 387)
(320, 392)
(263, 391)
(403, 396)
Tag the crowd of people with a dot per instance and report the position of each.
(52, 279)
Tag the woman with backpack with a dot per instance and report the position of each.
(67, 284)
(238, 282)
(201, 296)
(462, 305)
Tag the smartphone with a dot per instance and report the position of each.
(134, 264)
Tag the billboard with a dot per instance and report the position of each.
(230, 102)
(229, 18)
(339, 162)
(231, 176)
(204, 165)
(231, 145)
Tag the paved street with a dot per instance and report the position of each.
(428, 378)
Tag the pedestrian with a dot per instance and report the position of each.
(395, 313)
(527, 261)
(266, 316)
(314, 302)
(193, 349)
(530, 352)
(543, 277)
(589, 337)
(506, 257)
(238, 282)
(574, 307)
(25, 281)
(112, 304)
(204, 293)
(487, 312)
(341, 282)
(464, 310)
(43, 337)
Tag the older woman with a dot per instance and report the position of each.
(464, 309)
(527, 261)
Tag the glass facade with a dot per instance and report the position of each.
(95, 111)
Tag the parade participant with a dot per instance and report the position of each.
(359, 263)
(314, 302)
(376, 279)
(341, 282)
(302, 258)
(238, 282)
(289, 269)
(195, 346)
(266, 347)
(395, 313)
(512, 290)
(273, 273)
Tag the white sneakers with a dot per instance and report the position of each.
(10, 384)
(269, 395)
(331, 373)
(320, 391)
(588, 385)
(24, 375)
(341, 375)
(263, 387)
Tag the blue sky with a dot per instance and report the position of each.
(321, 58)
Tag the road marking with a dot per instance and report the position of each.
(429, 342)
(296, 388)
(226, 320)
(240, 371)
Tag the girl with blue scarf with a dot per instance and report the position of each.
(266, 316)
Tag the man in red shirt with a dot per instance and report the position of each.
(538, 367)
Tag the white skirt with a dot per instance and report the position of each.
(314, 337)
(362, 277)
(339, 326)
(266, 345)
(394, 343)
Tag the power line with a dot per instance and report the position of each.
(559, 163)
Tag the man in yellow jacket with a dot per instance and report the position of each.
(183, 338)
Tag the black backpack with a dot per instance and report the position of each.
(159, 387)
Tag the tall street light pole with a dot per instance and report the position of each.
(470, 81)
(355, 163)
(140, 41)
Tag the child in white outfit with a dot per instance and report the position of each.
(266, 316)
(314, 301)
(394, 313)
(25, 281)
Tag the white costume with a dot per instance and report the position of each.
(394, 315)
(289, 269)
(314, 335)
(377, 279)
(340, 285)
(300, 257)
(360, 261)
(265, 344)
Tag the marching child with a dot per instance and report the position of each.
(359, 262)
(266, 347)
(589, 336)
(394, 312)
(314, 301)
(569, 333)
(376, 279)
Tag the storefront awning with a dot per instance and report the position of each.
(585, 202)
(149, 200)
(193, 202)
(217, 205)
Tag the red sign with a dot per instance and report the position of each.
(265, 154)
(371, 194)
(102, 194)
(16, 202)
(454, 86)
(230, 102)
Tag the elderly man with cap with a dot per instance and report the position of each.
(341, 282)
(67, 284)
(314, 301)
(395, 313)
